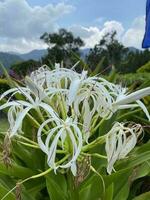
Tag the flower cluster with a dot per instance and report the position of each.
(68, 103)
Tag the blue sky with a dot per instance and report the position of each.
(22, 22)
(87, 11)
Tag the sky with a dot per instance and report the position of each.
(22, 22)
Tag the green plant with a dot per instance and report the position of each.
(69, 137)
(145, 68)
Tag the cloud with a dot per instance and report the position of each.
(19, 19)
(131, 37)
(22, 25)
(134, 35)
(21, 45)
(92, 35)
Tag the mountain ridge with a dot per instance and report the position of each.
(9, 58)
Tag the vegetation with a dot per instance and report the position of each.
(24, 68)
(109, 48)
(145, 68)
(61, 45)
(26, 171)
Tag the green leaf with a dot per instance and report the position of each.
(109, 192)
(16, 171)
(123, 192)
(120, 179)
(82, 63)
(56, 186)
(98, 67)
(10, 81)
(137, 157)
(145, 196)
(3, 191)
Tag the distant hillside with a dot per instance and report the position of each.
(84, 52)
(12, 57)
(133, 49)
(34, 55)
(8, 59)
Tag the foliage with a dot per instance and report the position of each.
(3, 85)
(145, 68)
(134, 60)
(24, 68)
(110, 48)
(133, 80)
(28, 163)
(61, 45)
(125, 60)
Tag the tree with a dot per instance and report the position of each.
(110, 48)
(23, 68)
(134, 60)
(61, 45)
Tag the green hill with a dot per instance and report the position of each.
(8, 59)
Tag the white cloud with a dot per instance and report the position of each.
(134, 35)
(131, 37)
(21, 45)
(19, 22)
(19, 19)
(92, 35)
(21, 25)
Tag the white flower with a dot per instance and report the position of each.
(13, 114)
(68, 133)
(18, 109)
(121, 139)
(123, 100)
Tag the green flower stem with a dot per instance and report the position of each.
(29, 145)
(62, 107)
(41, 117)
(126, 115)
(28, 140)
(95, 155)
(37, 147)
(35, 176)
(95, 120)
(98, 125)
(99, 140)
(36, 124)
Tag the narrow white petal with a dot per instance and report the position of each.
(19, 120)
(73, 90)
(144, 109)
(134, 96)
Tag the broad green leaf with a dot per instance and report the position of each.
(56, 186)
(94, 189)
(109, 192)
(123, 193)
(16, 171)
(35, 186)
(4, 191)
(119, 179)
(145, 196)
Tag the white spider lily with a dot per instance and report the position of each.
(71, 140)
(39, 76)
(123, 100)
(120, 141)
(13, 114)
(20, 108)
